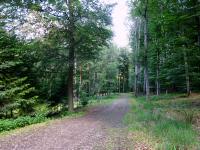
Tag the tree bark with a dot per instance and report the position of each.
(198, 25)
(123, 84)
(136, 63)
(144, 83)
(137, 49)
(119, 84)
(146, 73)
(71, 30)
(158, 73)
(80, 75)
(136, 81)
(187, 73)
(89, 80)
(70, 81)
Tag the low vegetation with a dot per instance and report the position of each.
(44, 113)
(165, 122)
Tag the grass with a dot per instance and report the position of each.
(162, 122)
(106, 100)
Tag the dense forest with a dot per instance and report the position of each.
(165, 39)
(58, 55)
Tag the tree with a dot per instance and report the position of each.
(123, 67)
(172, 43)
(16, 93)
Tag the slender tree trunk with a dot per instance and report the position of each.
(123, 84)
(80, 75)
(144, 83)
(71, 55)
(80, 81)
(186, 73)
(158, 73)
(198, 20)
(136, 64)
(119, 84)
(136, 81)
(139, 78)
(88, 79)
(198, 23)
(70, 83)
(137, 68)
(146, 75)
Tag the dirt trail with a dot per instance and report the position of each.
(101, 129)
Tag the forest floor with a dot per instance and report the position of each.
(102, 128)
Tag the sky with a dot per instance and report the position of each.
(120, 27)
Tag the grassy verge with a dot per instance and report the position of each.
(165, 122)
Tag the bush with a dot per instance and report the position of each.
(84, 99)
(9, 124)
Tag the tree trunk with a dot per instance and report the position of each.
(137, 49)
(186, 73)
(146, 73)
(198, 23)
(158, 73)
(123, 84)
(70, 82)
(144, 83)
(80, 75)
(119, 84)
(198, 20)
(88, 79)
(71, 30)
(136, 81)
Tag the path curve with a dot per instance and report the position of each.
(101, 129)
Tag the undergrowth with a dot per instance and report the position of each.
(166, 127)
(44, 113)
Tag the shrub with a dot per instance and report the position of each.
(84, 98)
(9, 124)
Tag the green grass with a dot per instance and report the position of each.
(165, 126)
(103, 101)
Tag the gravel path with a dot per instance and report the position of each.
(101, 129)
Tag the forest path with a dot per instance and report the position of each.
(101, 129)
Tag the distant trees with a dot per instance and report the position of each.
(99, 77)
(173, 49)
(123, 71)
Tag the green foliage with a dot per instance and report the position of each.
(84, 98)
(9, 124)
(173, 33)
(123, 70)
(16, 94)
(157, 119)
